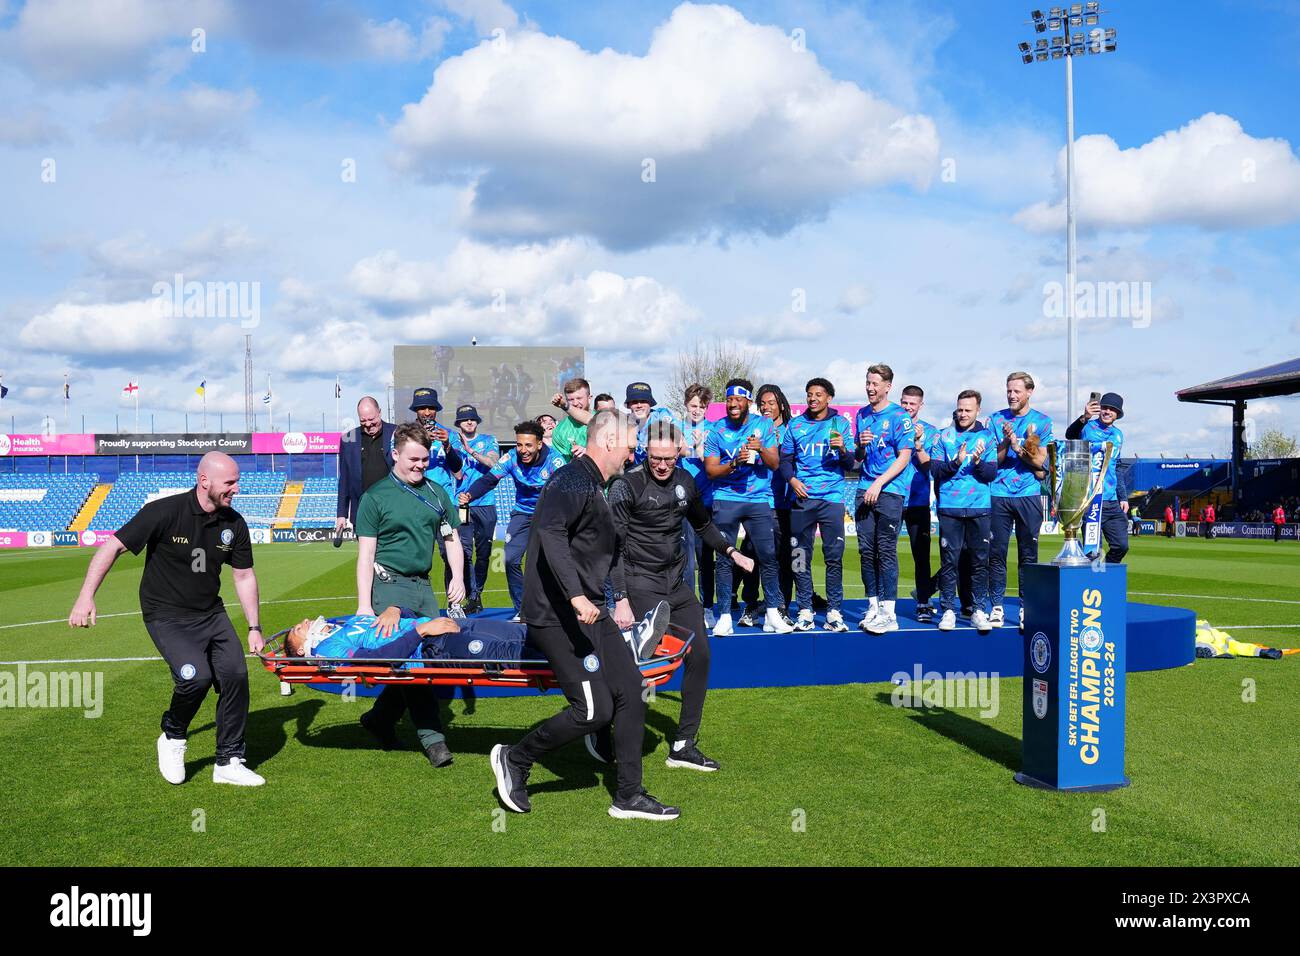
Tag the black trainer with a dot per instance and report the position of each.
(385, 735)
(924, 614)
(473, 605)
(689, 756)
(512, 784)
(643, 807)
(600, 745)
(439, 754)
(1272, 653)
(747, 619)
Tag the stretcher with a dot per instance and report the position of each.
(657, 670)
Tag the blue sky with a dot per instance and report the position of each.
(897, 170)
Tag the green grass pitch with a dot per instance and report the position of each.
(819, 775)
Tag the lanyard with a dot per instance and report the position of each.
(442, 515)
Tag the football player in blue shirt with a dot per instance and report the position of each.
(815, 453)
(775, 407)
(529, 464)
(640, 404)
(1017, 490)
(884, 448)
(916, 514)
(964, 466)
(481, 453)
(446, 456)
(739, 455)
(695, 431)
(1097, 425)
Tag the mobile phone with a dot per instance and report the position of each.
(1094, 397)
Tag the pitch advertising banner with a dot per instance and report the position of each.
(47, 444)
(296, 443)
(174, 443)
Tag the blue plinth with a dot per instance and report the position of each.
(1075, 663)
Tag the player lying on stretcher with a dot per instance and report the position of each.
(398, 634)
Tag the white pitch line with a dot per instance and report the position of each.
(86, 660)
(1213, 597)
(1256, 627)
(340, 597)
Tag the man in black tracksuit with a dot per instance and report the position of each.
(649, 504)
(570, 553)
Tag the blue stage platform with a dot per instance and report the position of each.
(1158, 638)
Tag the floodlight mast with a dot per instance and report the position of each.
(1062, 18)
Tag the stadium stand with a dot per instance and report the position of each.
(42, 502)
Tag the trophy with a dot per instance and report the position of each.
(1072, 480)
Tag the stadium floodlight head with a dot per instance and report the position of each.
(1092, 6)
(1057, 54)
(1090, 19)
(1076, 40)
(1054, 23)
(1036, 15)
(1058, 42)
(1040, 26)
(1043, 57)
(1026, 58)
(1110, 33)
(1024, 47)
(1041, 45)
(1076, 9)
(1076, 21)
(1054, 12)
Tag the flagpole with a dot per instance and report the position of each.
(136, 394)
(338, 421)
(270, 405)
(65, 401)
(205, 405)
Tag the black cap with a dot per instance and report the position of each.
(639, 392)
(1115, 401)
(467, 413)
(425, 398)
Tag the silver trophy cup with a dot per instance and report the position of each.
(1071, 477)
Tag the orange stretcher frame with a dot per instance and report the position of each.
(658, 670)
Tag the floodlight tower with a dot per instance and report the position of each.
(1067, 46)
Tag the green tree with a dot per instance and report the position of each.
(712, 364)
(1273, 444)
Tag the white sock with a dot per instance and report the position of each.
(873, 605)
(889, 607)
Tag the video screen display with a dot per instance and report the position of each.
(507, 384)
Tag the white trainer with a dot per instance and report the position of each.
(835, 622)
(980, 621)
(948, 622)
(998, 617)
(806, 620)
(171, 759)
(883, 623)
(235, 772)
(869, 618)
(774, 622)
(723, 627)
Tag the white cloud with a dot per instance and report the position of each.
(1210, 173)
(125, 330)
(196, 116)
(486, 15)
(746, 133)
(30, 128)
(335, 346)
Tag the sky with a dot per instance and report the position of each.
(830, 184)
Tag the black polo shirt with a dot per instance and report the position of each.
(186, 548)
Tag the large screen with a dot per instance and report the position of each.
(507, 384)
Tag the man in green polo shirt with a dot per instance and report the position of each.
(399, 522)
(570, 436)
